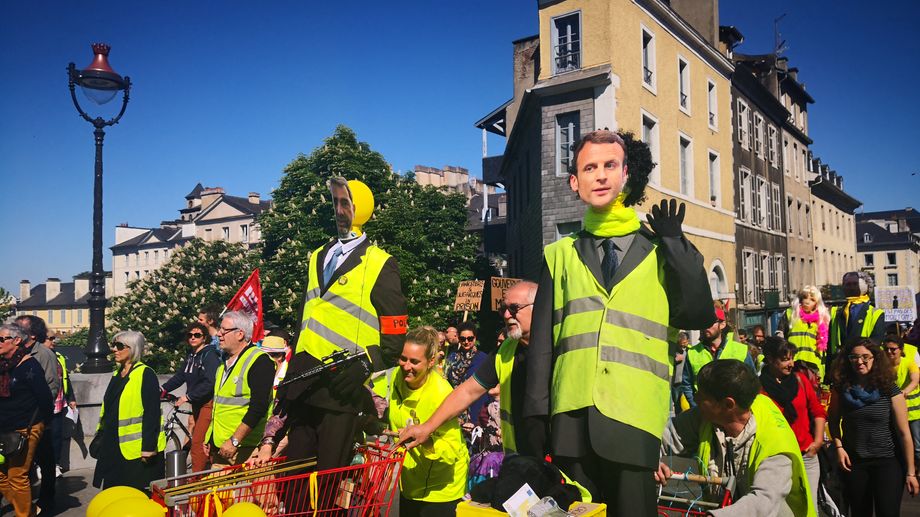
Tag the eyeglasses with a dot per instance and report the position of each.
(892, 350)
(119, 346)
(468, 339)
(222, 331)
(4, 339)
(513, 308)
(196, 335)
(865, 358)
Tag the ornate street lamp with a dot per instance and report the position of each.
(100, 84)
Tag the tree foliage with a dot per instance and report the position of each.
(162, 304)
(422, 227)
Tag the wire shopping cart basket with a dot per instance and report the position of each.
(288, 489)
(674, 506)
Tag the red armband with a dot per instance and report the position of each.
(394, 325)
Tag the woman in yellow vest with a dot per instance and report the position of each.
(130, 420)
(903, 358)
(433, 478)
(806, 325)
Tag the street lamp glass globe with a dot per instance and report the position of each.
(99, 82)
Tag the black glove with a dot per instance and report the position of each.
(666, 219)
(346, 384)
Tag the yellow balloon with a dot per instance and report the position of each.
(244, 510)
(133, 507)
(363, 199)
(110, 495)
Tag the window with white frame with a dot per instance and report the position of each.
(744, 184)
(757, 284)
(892, 279)
(758, 134)
(800, 216)
(683, 83)
(807, 222)
(765, 267)
(567, 135)
(127, 276)
(777, 200)
(744, 122)
(63, 316)
(685, 156)
(146, 257)
(225, 231)
(869, 259)
(795, 160)
(773, 279)
(892, 258)
(156, 257)
(715, 179)
(747, 272)
(786, 156)
(79, 316)
(651, 137)
(244, 232)
(648, 58)
(804, 161)
(713, 103)
(781, 278)
(772, 144)
(761, 205)
(567, 42)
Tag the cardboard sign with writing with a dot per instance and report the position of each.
(469, 295)
(499, 286)
(897, 302)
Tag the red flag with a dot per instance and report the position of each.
(249, 300)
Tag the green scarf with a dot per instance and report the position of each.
(614, 221)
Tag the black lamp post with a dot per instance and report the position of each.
(100, 84)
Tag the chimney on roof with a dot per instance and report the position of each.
(52, 288)
(80, 286)
(253, 198)
(25, 289)
(794, 74)
(210, 195)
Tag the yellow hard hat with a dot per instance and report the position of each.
(363, 199)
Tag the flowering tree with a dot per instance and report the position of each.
(162, 304)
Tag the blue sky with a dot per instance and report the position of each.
(227, 93)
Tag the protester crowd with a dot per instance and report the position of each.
(594, 368)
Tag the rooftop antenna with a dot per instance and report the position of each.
(779, 44)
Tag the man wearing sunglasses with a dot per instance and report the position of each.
(505, 368)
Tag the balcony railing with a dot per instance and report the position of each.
(647, 75)
(683, 100)
(568, 55)
(712, 119)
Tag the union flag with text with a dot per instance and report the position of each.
(249, 299)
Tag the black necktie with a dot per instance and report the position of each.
(610, 262)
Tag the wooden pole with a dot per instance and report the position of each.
(465, 315)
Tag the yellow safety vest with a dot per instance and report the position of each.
(436, 470)
(835, 335)
(342, 318)
(611, 349)
(773, 437)
(131, 416)
(804, 336)
(699, 356)
(912, 398)
(383, 384)
(65, 385)
(231, 401)
(504, 365)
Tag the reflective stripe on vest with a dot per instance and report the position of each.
(773, 437)
(231, 401)
(611, 348)
(913, 398)
(804, 336)
(699, 356)
(131, 416)
(504, 365)
(342, 318)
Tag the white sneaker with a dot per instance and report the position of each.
(58, 472)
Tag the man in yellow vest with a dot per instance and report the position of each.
(242, 393)
(857, 318)
(353, 302)
(599, 367)
(505, 368)
(736, 432)
(714, 344)
(907, 369)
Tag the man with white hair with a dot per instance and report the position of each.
(242, 393)
(504, 368)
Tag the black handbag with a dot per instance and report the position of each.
(14, 442)
(95, 445)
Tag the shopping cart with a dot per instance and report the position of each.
(673, 505)
(288, 489)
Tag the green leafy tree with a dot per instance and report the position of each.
(421, 227)
(162, 304)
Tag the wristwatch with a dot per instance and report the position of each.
(235, 442)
